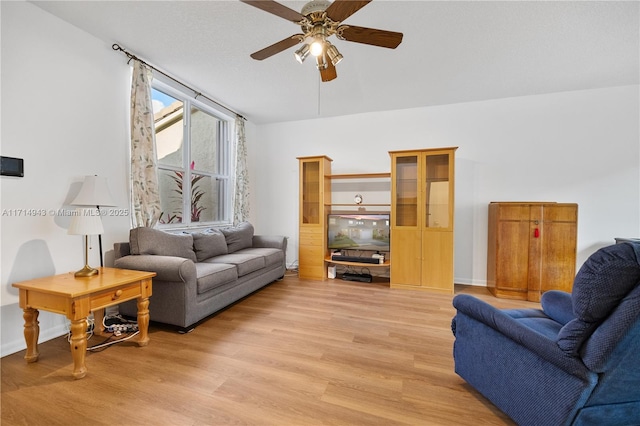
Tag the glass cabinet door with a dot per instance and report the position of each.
(311, 206)
(437, 198)
(406, 190)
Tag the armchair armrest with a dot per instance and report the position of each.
(270, 241)
(535, 342)
(557, 305)
(167, 268)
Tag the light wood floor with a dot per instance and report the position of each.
(295, 353)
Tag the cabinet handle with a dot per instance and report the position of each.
(116, 295)
(536, 233)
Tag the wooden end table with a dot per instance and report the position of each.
(76, 298)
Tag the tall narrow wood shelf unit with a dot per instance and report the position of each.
(315, 202)
(422, 194)
(531, 248)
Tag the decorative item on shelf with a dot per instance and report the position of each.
(358, 199)
(86, 221)
(95, 193)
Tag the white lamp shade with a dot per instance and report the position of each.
(94, 192)
(86, 222)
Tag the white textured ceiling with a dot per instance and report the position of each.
(452, 51)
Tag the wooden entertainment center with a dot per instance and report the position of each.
(421, 208)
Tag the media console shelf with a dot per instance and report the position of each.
(316, 203)
(364, 185)
(386, 263)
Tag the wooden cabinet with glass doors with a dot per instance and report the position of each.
(422, 194)
(315, 202)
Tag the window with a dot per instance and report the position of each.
(193, 149)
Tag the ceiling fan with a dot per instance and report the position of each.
(319, 20)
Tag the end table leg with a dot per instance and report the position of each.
(79, 347)
(31, 333)
(143, 320)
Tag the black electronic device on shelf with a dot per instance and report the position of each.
(351, 276)
(357, 259)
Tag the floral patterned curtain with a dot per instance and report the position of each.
(145, 197)
(241, 193)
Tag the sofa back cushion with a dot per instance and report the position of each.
(602, 282)
(145, 240)
(238, 237)
(209, 244)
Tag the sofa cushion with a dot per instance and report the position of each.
(246, 263)
(272, 256)
(602, 282)
(209, 244)
(238, 237)
(212, 275)
(145, 240)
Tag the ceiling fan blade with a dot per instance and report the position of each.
(340, 10)
(371, 36)
(278, 47)
(328, 72)
(276, 9)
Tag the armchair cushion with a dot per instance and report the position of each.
(145, 240)
(604, 279)
(602, 282)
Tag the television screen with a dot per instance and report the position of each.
(352, 231)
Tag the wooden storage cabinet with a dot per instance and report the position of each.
(315, 201)
(531, 248)
(422, 195)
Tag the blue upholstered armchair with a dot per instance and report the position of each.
(576, 361)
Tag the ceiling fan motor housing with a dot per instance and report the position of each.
(315, 6)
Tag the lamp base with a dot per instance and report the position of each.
(87, 271)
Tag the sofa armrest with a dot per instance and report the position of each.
(167, 268)
(121, 250)
(535, 342)
(270, 241)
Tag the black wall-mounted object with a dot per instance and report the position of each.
(10, 166)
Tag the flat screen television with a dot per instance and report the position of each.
(355, 231)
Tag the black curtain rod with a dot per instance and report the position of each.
(131, 56)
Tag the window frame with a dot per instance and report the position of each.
(225, 165)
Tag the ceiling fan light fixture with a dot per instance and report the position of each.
(334, 55)
(321, 63)
(317, 47)
(302, 53)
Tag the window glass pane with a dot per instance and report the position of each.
(205, 193)
(204, 141)
(170, 183)
(200, 156)
(168, 119)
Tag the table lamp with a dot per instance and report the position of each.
(86, 222)
(95, 193)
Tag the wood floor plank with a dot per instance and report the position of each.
(297, 352)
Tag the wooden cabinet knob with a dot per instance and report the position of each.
(117, 294)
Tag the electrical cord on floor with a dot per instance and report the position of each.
(292, 269)
(109, 341)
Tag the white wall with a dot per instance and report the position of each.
(63, 114)
(580, 147)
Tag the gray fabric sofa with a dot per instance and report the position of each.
(202, 272)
